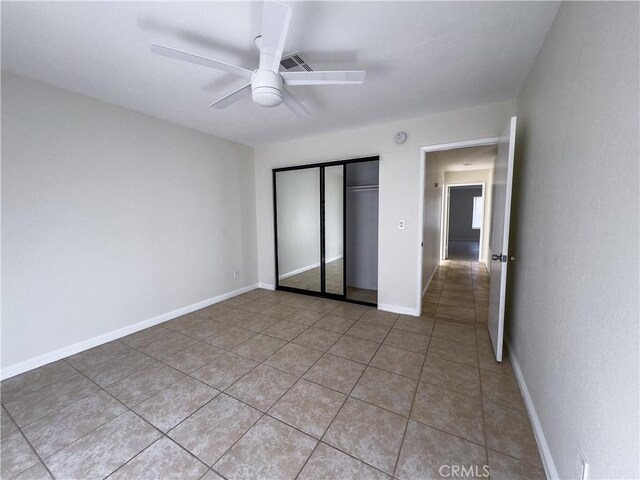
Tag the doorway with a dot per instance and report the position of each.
(459, 164)
(464, 222)
(326, 229)
(497, 154)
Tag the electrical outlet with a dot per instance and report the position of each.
(401, 225)
(583, 466)
(236, 274)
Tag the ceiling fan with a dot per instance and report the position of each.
(267, 83)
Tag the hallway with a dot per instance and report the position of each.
(271, 384)
(465, 251)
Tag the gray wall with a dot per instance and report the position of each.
(461, 214)
(362, 226)
(111, 217)
(478, 176)
(573, 314)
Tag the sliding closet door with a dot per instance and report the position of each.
(298, 228)
(334, 229)
(326, 229)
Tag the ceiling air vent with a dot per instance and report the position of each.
(294, 63)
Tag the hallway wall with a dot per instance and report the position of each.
(573, 313)
(471, 176)
(431, 217)
(461, 214)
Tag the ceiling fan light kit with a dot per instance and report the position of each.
(267, 83)
(266, 88)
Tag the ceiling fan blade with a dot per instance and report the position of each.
(197, 59)
(294, 104)
(275, 26)
(324, 78)
(233, 97)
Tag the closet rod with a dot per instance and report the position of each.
(359, 188)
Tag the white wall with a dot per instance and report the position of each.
(399, 264)
(111, 217)
(573, 316)
(298, 200)
(432, 216)
(478, 176)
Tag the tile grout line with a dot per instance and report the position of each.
(19, 430)
(415, 392)
(42, 459)
(484, 423)
(299, 378)
(127, 409)
(263, 414)
(110, 395)
(345, 401)
(160, 360)
(482, 399)
(162, 433)
(325, 352)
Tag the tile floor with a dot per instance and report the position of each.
(275, 385)
(466, 251)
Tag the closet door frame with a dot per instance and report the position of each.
(322, 293)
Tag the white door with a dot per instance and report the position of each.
(499, 241)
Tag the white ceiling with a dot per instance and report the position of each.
(469, 158)
(420, 58)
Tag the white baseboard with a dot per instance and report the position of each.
(424, 290)
(397, 309)
(308, 267)
(543, 446)
(267, 286)
(298, 270)
(40, 360)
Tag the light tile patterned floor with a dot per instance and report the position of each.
(463, 250)
(275, 385)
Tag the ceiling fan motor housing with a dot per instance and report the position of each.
(266, 88)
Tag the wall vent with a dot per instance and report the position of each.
(295, 63)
